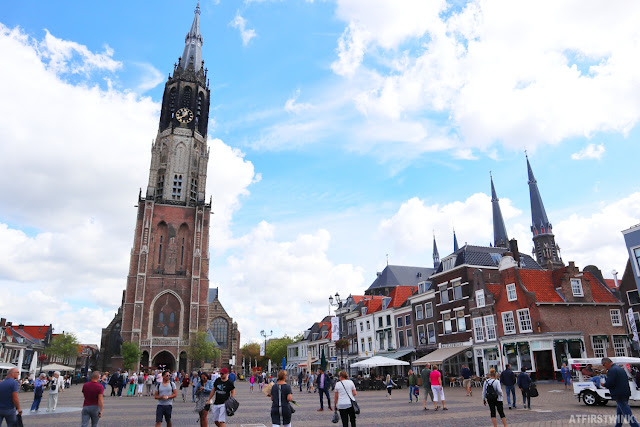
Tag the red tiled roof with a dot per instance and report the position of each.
(399, 295)
(493, 288)
(373, 305)
(37, 332)
(611, 284)
(357, 298)
(598, 290)
(541, 283)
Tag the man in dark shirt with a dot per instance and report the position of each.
(508, 379)
(93, 392)
(466, 379)
(222, 389)
(425, 375)
(300, 378)
(324, 384)
(9, 402)
(618, 384)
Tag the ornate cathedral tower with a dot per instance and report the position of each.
(165, 300)
(500, 239)
(546, 251)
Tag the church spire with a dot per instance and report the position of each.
(455, 241)
(193, 44)
(436, 255)
(545, 248)
(500, 239)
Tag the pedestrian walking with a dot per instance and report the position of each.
(436, 386)
(194, 384)
(252, 381)
(390, 384)
(492, 394)
(122, 383)
(133, 380)
(165, 393)
(38, 391)
(140, 384)
(232, 376)
(425, 375)
(413, 384)
(148, 383)
(618, 385)
(223, 388)
(204, 386)
(323, 389)
(114, 381)
(184, 387)
(260, 382)
(466, 379)
(300, 378)
(524, 383)
(281, 394)
(344, 396)
(56, 387)
(9, 402)
(566, 375)
(93, 393)
(508, 379)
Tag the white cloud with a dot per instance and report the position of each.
(292, 106)
(74, 170)
(492, 70)
(299, 270)
(591, 151)
(245, 33)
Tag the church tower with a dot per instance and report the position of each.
(500, 239)
(166, 298)
(546, 251)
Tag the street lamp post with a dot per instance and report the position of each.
(266, 335)
(338, 305)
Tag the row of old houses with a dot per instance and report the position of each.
(485, 307)
(24, 347)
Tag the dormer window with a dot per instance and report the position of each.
(364, 310)
(324, 334)
(314, 336)
(576, 288)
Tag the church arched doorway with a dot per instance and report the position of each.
(164, 360)
(144, 360)
(183, 361)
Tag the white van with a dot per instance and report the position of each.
(587, 391)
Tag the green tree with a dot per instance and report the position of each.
(64, 345)
(130, 355)
(277, 349)
(201, 349)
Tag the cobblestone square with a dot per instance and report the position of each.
(554, 407)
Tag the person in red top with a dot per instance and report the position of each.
(436, 387)
(92, 406)
(184, 386)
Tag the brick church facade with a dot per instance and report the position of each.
(166, 300)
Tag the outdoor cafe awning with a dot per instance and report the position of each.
(398, 354)
(440, 355)
(304, 364)
(7, 366)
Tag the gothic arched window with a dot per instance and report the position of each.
(186, 97)
(166, 314)
(172, 101)
(220, 329)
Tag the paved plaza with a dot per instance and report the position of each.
(554, 407)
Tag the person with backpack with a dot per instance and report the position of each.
(165, 393)
(492, 394)
(524, 383)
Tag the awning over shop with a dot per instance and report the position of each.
(398, 354)
(440, 355)
(304, 364)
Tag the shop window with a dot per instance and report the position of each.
(525, 355)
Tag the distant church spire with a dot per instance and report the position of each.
(545, 249)
(500, 239)
(193, 44)
(455, 241)
(436, 255)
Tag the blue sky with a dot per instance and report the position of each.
(341, 131)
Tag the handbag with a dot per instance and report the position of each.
(533, 390)
(356, 407)
(19, 421)
(336, 418)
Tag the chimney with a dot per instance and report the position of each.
(615, 279)
(21, 326)
(513, 245)
(3, 321)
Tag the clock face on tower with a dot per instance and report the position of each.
(184, 115)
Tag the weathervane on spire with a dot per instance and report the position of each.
(198, 8)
